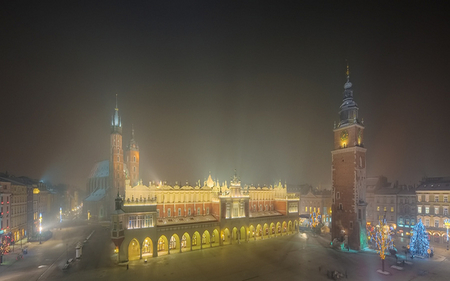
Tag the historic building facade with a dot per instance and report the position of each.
(159, 219)
(349, 174)
(433, 207)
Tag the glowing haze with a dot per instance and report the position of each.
(213, 87)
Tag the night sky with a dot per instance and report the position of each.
(216, 86)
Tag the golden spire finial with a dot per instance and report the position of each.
(348, 70)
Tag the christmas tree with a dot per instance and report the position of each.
(419, 244)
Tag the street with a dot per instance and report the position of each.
(295, 257)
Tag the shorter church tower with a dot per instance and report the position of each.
(133, 160)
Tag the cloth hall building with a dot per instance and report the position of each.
(158, 219)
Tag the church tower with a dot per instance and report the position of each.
(348, 174)
(116, 169)
(133, 160)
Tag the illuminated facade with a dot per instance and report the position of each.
(349, 174)
(433, 207)
(159, 219)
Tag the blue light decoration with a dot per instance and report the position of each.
(419, 244)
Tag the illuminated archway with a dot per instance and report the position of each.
(259, 232)
(272, 231)
(235, 235)
(215, 238)
(266, 231)
(284, 228)
(134, 250)
(163, 246)
(196, 241)
(147, 248)
(174, 244)
(206, 239)
(242, 237)
(225, 236)
(251, 232)
(278, 229)
(290, 227)
(185, 242)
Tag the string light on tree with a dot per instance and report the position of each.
(419, 244)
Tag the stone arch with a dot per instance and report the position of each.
(251, 232)
(206, 239)
(290, 227)
(215, 238)
(147, 248)
(259, 232)
(174, 243)
(284, 228)
(242, 234)
(225, 236)
(278, 228)
(163, 245)
(196, 241)
(185, 242)
(235, 235)
(134, 250)
(266, 231)
(272, 230)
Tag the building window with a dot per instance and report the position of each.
(392, 209)
(207, 210)
(436, 223)
(378, 208)
(419, 209)
(157, 211)
(306, 209)
(436, 210)
(385, 209)
(169, 212)
(118, 158)
(338, 195)
(419, 198)
(199, 212)
(445, 211)
(427, 222)
(134, 158)
(445, 198)
(179, 212)
(427, 210)
(400, 221)
(189, 211)
(340, 206)
(436, 198)
(427, 198)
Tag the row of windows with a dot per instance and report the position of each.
(436, 223)
(140, 221)
(435, 197)
(385, 209)
(189, 212)
(436, 210)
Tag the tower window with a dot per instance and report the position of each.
(134, 158)
(338, 195)
(340, 206)
(118, 158)
(351, 225)
(134, 169)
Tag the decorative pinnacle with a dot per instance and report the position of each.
(116, 103)
(348, 72)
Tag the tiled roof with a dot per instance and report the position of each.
(100, 170)
(438, 183)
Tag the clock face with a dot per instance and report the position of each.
(344, 135)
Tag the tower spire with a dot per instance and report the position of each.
(116, 124)
(117, 108)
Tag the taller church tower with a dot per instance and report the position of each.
(116, 169)
(133, 160)
(349, 174)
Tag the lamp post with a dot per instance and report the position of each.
(447, 225)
